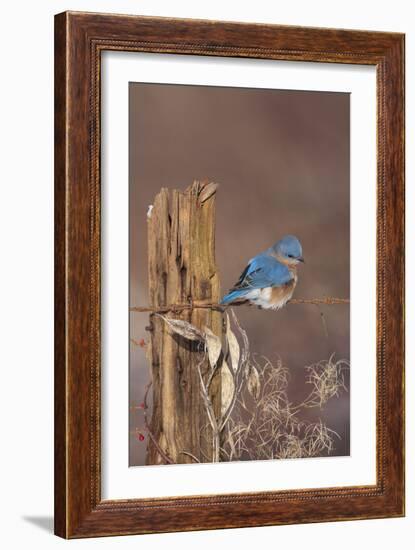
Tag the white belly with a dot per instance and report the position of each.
(267, 299)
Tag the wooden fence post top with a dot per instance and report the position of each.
(182, 270)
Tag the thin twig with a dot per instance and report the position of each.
(241, 367)
(211, 415)
(191, 456)
(327, 300)
(323, 322)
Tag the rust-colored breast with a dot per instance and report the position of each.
(281, 294)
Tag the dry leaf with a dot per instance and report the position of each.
(214, 346)
(227, 387)
(184, 329)
(245, 347)
(234, 350)
(254, 384)
(208, 191)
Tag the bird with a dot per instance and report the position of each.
(269, 279)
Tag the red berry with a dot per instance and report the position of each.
(141, 437)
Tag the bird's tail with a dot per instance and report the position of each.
(233, 296)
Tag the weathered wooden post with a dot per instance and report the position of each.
(182, 270)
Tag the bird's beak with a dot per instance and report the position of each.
(301, 260)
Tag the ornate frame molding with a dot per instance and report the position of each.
(79, 40)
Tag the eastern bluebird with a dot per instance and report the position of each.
(270, 278)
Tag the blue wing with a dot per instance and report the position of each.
(263, 271)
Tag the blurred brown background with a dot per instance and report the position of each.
(282, 161)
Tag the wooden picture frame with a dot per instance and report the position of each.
(79, 40)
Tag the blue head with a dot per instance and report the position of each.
(288, 250)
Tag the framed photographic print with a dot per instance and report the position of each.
(229, 334)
